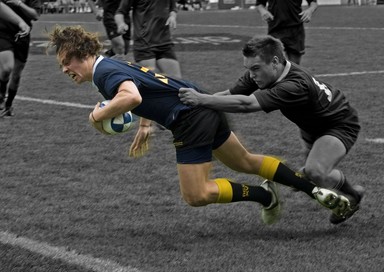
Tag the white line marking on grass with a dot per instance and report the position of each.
(376, 140)
(70, 257)
(263, 27)
(54, 102)
(351, 73)
(217, 26)
(77, 105)
(65, 22)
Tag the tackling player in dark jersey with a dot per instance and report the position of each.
(198, 132)
(14, 49)
(329, 125)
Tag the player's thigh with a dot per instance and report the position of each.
(325, 154)
(234, 155)
(170, 67)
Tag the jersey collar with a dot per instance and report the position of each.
(285, 72)
(100, 58)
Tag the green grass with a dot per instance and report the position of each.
(64, 184)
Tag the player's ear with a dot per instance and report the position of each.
(275, 62)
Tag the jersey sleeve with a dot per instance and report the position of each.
(108, 81)
(244, 85)
(284, 95)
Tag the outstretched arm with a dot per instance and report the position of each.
(227, 103)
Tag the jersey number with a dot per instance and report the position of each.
(324, 88)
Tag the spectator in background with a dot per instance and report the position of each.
(152, 41)
(14, 49)
(105, 10)
(286, 22)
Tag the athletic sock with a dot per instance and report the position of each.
(273, 169)
(346, 188)
(10, 98)
(233, 192)
(3, 89)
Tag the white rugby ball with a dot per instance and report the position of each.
(119, 124)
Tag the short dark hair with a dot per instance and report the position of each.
(266, 47)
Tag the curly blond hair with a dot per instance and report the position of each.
(74, 41)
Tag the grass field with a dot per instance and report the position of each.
(72, 200)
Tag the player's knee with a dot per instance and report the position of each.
(196, 199)
(5, 73)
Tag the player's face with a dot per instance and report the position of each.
(262, 73)
(78, 70)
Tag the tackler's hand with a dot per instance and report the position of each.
(190, 96)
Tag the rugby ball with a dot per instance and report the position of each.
(119, 124)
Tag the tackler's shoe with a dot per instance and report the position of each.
(7, 112)
(271, 214)
(338, 204)
(354, 206)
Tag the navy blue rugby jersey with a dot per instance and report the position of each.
(313, 105)
(160, 100)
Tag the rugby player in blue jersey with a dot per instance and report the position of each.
(198, 132)
(328, 124)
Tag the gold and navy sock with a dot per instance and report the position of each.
(273, 169)
(233, 192)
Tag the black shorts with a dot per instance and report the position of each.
(197, 132)
(156, 52)
(111, 27)
(293, 39)
(20, 46)
(347, 132)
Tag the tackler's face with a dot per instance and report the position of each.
(78, 70)
(264, 74)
